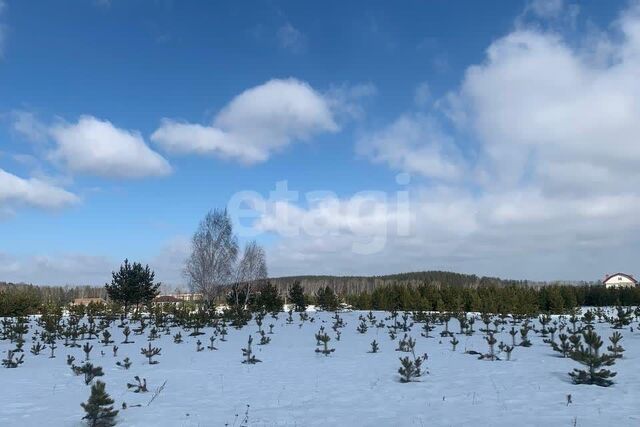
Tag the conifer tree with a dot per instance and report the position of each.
(140, 386)
(88, 370)
(589, 356)
(250, 358)
(87, 349)
(374, 347)
(454, 343)
(99, 408)
(149, 352)
(37, 348)
(297, 298)
(11, 362)
(132, 285)
(615, 348)
(323, 339)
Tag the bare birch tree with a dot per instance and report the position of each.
(212, 263)
(251, 270)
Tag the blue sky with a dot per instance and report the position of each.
(123, 122)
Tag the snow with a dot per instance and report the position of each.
(294, 386)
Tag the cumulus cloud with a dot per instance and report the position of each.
(254, 124)
(32, 192)
(416, 144)
(97, 147)
(531, 164)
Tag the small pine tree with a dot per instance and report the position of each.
(87, 349)
(10, 362)
(37, 348)
(454, 343)
(297, 298)
(126, 363)
(362, 327)
(99, 408)
(88, 370)
(374, 347)
(106, 335)
(149, 352)
(250, 358)
(140, 386)
(410, 370)
(323, 339)
(126, 332)
(264, 339)
(589, 356)
(615, 348)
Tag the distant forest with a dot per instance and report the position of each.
(343, 286)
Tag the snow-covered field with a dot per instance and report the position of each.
(294, 386)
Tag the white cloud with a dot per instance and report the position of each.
(90, 269)
(96, 147)
(546, 185)
(291, 39)
(27, 124)
(415, 144)
(546, 8)
(254, 124)
(32, 192)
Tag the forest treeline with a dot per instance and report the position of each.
(439, 291)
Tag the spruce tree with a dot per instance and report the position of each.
(99, 408)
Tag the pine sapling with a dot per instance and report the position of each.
(88, 370)
(87, 349)
(454, 343)
(264, 339)
(126, 363)
(323, 339)
(615, 348)
(250, 358)
(149, 352)
(37, 348)
(11, 362)
(98, 409)
(590, 357)
(140, 386)
(362, 327)
(106, 338)
(374, 347)
(126, 332)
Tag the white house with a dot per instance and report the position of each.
(619, 280)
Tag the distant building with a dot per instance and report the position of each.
(166, 300)
(187, 296)
(87, 301)
(619, 280)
